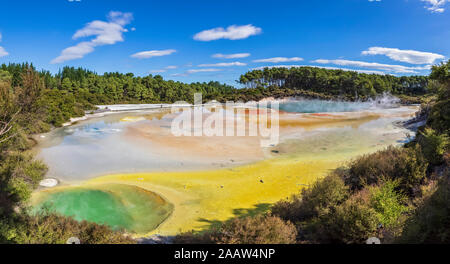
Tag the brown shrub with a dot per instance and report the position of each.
(405, 165)
(55, 229)
(354, 221)
(430, 222)
(263, 229)
(316, 201)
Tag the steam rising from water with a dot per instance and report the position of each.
(321, 106)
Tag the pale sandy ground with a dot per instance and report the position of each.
(213, 149)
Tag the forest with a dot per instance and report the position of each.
(113, 88)
(89, 87)
(348, 85)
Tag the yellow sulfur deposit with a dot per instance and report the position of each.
(132, 119)
(207, 197)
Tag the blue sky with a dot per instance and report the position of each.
(178, 39)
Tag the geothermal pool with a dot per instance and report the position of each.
(119, 206)
(186, 183)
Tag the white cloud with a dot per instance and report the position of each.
(224, 64)
(231, 56)
(322, 67)
(202, 70)
(120, 18)
(374, 66)
(435, 6)
(189, 72)
(279, 59)
(105, 33)
(74, 52)
(374, 0)
(233, 32)
(158, 71)
(153, 53)
(164, 70)
(3, 52)
(409, 56)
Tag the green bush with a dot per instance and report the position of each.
(354, 221)
(19, 175)
(327, 213)
(407, 166)
(19, 142)
(316, 201)
(59, 107)
(388, 204)
(433, 145)
(430, 222)
(361, 217)
(439, 118)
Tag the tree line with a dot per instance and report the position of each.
(113, 88)
(346, 84)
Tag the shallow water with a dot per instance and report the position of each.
(318, 106)
(91, 205)
(118, 206)
(141, 141)
(325, 106)
(208, 179)
(99, 146)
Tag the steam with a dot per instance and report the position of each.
(383, 101)
(386, 100)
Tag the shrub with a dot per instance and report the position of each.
(433, 145)
(388, 204)
(430, 222)
(354, 221)
(19, 175)
(439, 118)
(55, 229)
(59, 107)
(257, 230)
(192, 237)
(318, 200)
(262, 229)
(19, 142)
(405, 165)
(358, 218)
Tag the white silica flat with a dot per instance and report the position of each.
(48, 183)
